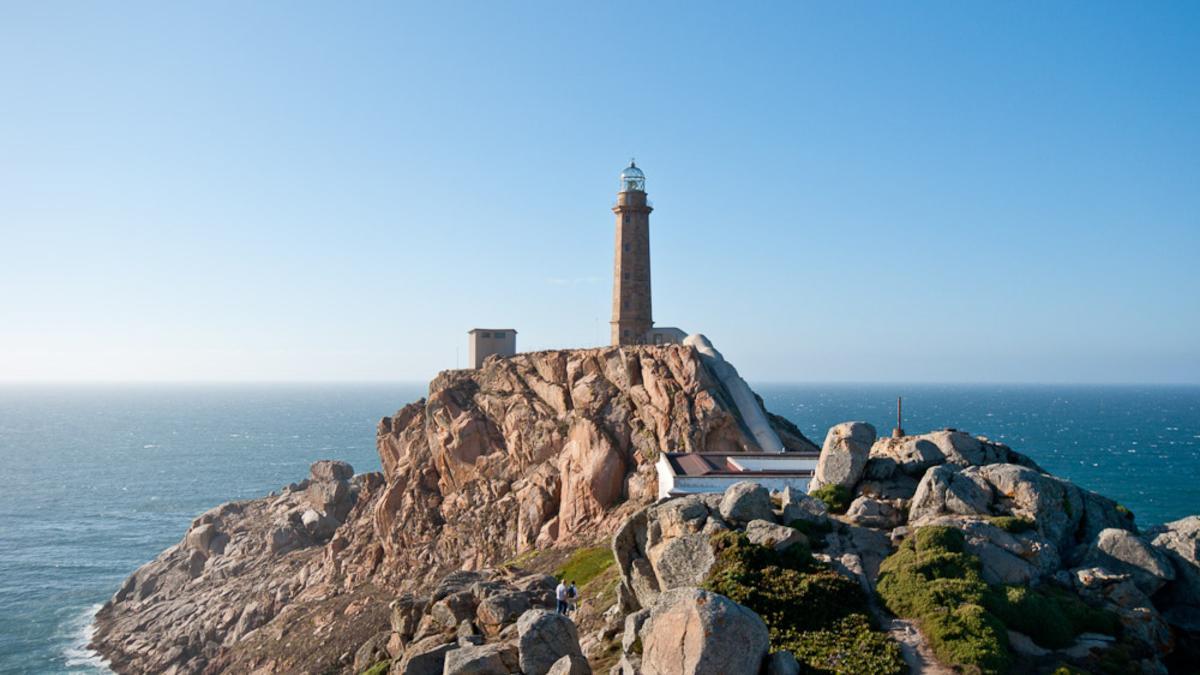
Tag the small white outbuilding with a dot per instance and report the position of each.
(484, 342)
(681, 473)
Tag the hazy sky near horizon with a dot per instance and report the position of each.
(870, 192)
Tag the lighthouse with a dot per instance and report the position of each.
(631, 311)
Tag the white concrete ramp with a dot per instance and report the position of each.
(743, 397)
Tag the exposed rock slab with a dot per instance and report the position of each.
(844, 455)
(695, 632)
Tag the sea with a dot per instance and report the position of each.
(98, 479)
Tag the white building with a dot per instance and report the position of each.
(681, 473)
(483, 342)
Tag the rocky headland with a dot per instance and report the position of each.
(940, 552)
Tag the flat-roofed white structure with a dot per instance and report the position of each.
(484, 342)
(681, 473)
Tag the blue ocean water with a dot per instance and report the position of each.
(99, 479)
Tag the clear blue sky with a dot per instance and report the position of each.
(339, 191)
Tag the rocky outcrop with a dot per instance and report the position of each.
(1060, 513)
(1141, 622)
(545, 638)
(878, 513)
(537, 450)
(667, 546)
(237, 568)
(745, 501)
(1124, 552)
(694, 632)
(895, 465)
(551, 441)
(844, 455)
(556, 449)
(1180, 542)
(658, 533)
(1020, 525)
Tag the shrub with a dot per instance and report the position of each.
(1033, 613)
(1012, 524)
(818, 615)
(810, 529)
(970, 637)
(1053, 617)
(585, 564)
(836, 497)
(847, 646)
(1083, 617)
(940, 538)
(933, 580)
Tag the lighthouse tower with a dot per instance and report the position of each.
(631, 316)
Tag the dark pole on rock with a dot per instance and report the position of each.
(899, 430)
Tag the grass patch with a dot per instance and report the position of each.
(835, 497)
(816, 614)
(1012, 524)
(380, 668)
(585, 564)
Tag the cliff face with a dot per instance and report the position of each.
(240, 567)
(542, 449)
(537, 450)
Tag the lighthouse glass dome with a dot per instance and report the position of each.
(632, 178)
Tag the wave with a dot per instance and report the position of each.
(77, 655)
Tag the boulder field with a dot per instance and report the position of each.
(1021, 571)
(939, 552)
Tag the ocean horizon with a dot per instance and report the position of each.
(102, 477)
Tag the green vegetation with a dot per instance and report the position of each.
(380, 668)
(814, 532)
(836, 497)
(816, 614)
(1125, 512)
(585, 564)
(1051, 616)
(848, 646)
(810, 529)
(932, 579)
(1012, 524)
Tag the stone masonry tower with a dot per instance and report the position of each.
(631, 317)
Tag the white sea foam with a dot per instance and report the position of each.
(78, 631)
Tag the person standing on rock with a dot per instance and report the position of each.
(572, 597)
(560, 592)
